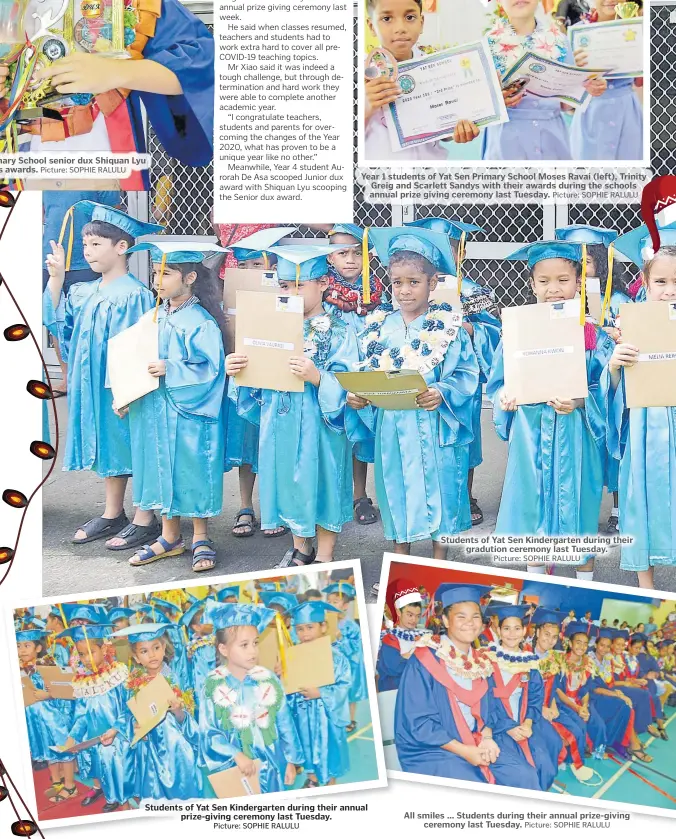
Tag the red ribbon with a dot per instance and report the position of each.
(503, 692)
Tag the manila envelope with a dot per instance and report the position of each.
(651, 383)
(544, 352)
(309, 665)
(230, 783)
(268, 647)
(393, 390)
(269, 331)
(77, 747)
(27, 689)
(59, 684)
(150, 706)
(243, 279)
(122, 650)
(447, 292)
(593, 286)
(129, 354)
(332, 630)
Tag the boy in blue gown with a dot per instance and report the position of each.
(176, 431)
(59, 649)
(321, 714)
(397, 644)
(306, 438)
(95, 438)
(562, 438)
(429, 338)
(164, 761)
(444, 704)
(200, 649)
(264, 729)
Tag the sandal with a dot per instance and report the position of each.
(146, 555)
(208, 555)
(310, 784)
(653, 730)
(274, 532)
(294, 557)
(351, 727)
(640, 754)
(93, 796)
(136, 534)
(57, 393)
(54, 789)
(245, 512)
(98, 528)
(364, 511)
(613, 525)
(65, 794)
(475, 510)
(663, 733)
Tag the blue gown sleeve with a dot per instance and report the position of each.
(78, 729)
(416, 717)
(247, 400)
(53, 317)
(195, 375)
(597, 361)
(485, 340)
(390, 663)
(496, 381)
(536, 696)
(616, 414)
(288, 735)
(335, 696)
(457, 385)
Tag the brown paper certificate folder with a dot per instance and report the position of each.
(129, 354)
(593, 286)
(544, 354)
(268, 647)
(150, 706)
(243, 279)
(58, 683)
(230, 783)
(269, 331)
(651, 383)
(309, 665)
(77, 747)
(394, 391)
(28, 689)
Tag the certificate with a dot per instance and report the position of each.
(441, 89)
(395, 391)
(617, 44)
(651, 382)
(551, 80)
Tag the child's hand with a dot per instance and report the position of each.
(41, 695)
(596, 87)
(506, 402)
(121, 412)
(82, 72)
(511, 95)
(565, 406)
(157, 368)
(108, 737)
(468, 327)
(245, 765)
(429, 400)
(70, 742)
(289, 774)
(356, 402)
(305, 369)
(490, 748)
(465, 131)
(56, 262)
(517, 734)
(310, 693)
(379, 93)
(581, 58)
(474, 755)
(624, 355)
(234, 362)
(613, 331)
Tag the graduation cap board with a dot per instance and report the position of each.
(309, 665)
(269, 331)
(231, 783)
(544, 352)
(129, 354)
(150, 706)
(651, 383)
(395, 390)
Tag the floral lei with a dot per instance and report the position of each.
(109, 676)
(198, 642)
(585, 669)
(246, 721)
(439, 330)
(604, 668)
(520, 662)
(317, 333)
(474, 664)
(138, 678)
(348, 296)
(552, 664)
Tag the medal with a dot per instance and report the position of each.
(624, 11)
(381, 62)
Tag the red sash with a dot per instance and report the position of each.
(503, 692)
(391, 641)
(472, 698)
(566, 735)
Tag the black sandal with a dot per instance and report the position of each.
(663, 733)
(351, 727)
(293, 558)
(475, 510)
(94, 795)
(59, 798)
(99, 528)
(640, 754)
(613, 525)
(245, 512)
(136, 534)
(364, 511)
(208, 555)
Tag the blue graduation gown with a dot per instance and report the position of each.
(424, 722)
(241, 438)
(436, 442)
(48, 722)
(614, 712)
(594, 728)
(218, 747)
(176, 433)
(643, 440)
(201, 660)
(390, 664)
(612, 477)
(179, 665)
(611, 127)
(306, 439)
(554, 479)
(96, 438)
(646, 664)
(321, 723)
(350, 645)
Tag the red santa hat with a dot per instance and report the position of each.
(658, 206)
(401, 593)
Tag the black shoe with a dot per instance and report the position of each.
(38, 765)
(110, 807)
(663, 733)
(92, 797)
(613, 525)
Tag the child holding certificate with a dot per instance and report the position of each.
(96, 439)
(176, 430)
(306, 438)
(643, 439)
(424, 336)
(563, 437)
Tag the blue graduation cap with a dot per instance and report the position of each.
(341, 587)
(605, 632)
(348, 230)
(171, 610)
(539, 251)
(622, 633)
(177, 251)
(583, 234)
(225, 615)
(93, 632)
(508, 610)
(452, 229)
(118, 218)
(144, 632)
(118, 613)
(259, 243)
(279, 598)
(665, 642)
(433, 245)
(543, 615)
(302, 262)
(452, 593)
(280, 586)
(33, 622)
(636, 637)
(580, 627)
(189, 617)
(34, 635)
(637, 244)
(90, 612)
(230, 591)
(311, 611)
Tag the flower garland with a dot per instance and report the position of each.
(439, 330)
(234, 715)
(521, 662)
(109, 676)
(139, 678)
(317, 333)
(348, 296)
(507, 47)
(579, 672)
(604, 668)
(552, 664)
(201, 641)
(474, 664)
(78, 665)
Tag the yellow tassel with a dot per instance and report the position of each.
(281, 630)
(297, 277)
(67, 220)
(266, 262)
(461, 257)
(163, 265)
(609, 284)
(583, 286)
(89, 650)
(365, 269)
(63, 616)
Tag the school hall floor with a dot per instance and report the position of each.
(71, 498)
(363, 767)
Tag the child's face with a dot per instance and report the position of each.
(579, 644)
(27, 651)
(337, 600)
(102, 254)
(554, 280)
(662, 279)
(591, 265)
(94, 661)
(602, 647)
(347, 261)
(605, 8)
(310, 631)
(150, 654)
(635, 648)
(314, 597)
(519, 9)
(512, 632)
(548, 635)
(618, 645)
(409, 616)
(249, 264)
(242, 650)
(53, 624)
(411, 287)
(173, 283)
(312, 291)
(397, 24)
(463, 622)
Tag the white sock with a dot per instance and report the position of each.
(615, 512)
(537, 569)
(585, 575)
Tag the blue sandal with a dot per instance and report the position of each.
(209, 555)
(145, 555)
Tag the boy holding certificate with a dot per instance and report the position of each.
(554, 479)
(644, 439)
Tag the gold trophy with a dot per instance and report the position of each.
(626, 11)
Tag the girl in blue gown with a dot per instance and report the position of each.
(554, 479)
(158, 610)
(59, 649)
(200, 649)
(321, 714)
(429, 338)
(176, 430)
(164, 763)
(244, 713)
(306, 438)
(626, 670)
(643, 440)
